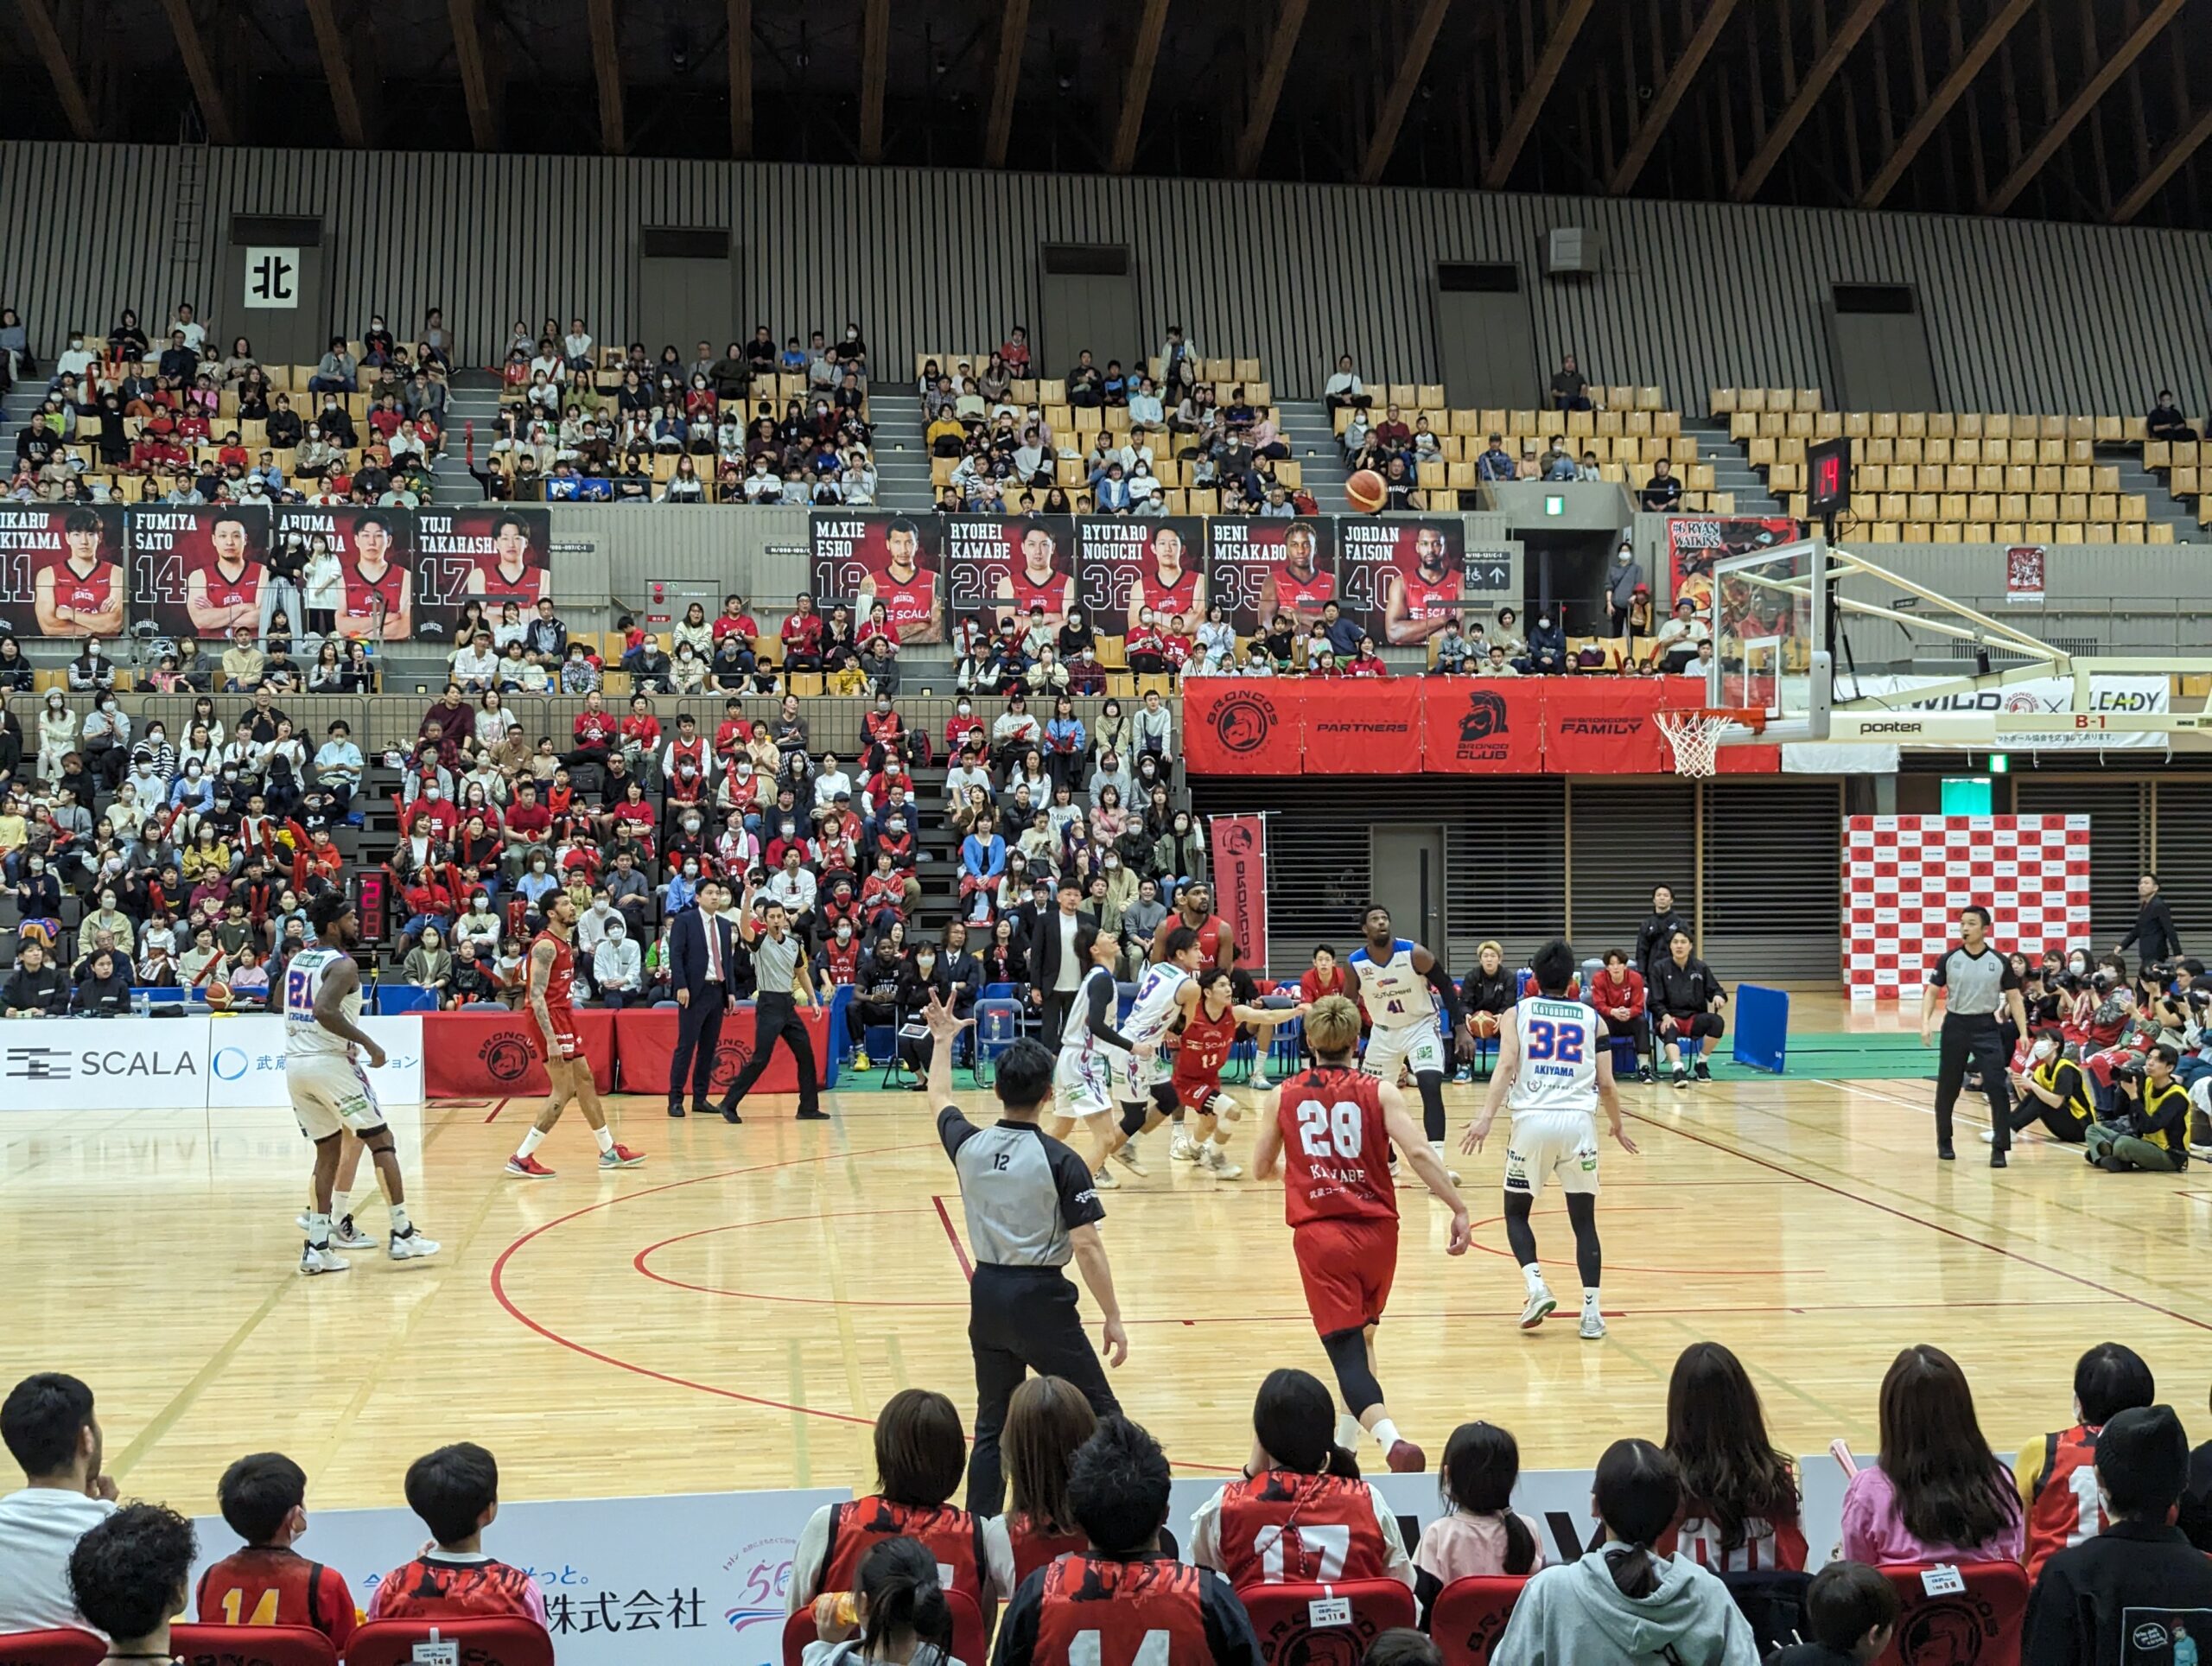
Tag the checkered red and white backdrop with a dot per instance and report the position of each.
(1906, 877)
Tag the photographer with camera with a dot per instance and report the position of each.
(2150, 1128)
(2053, 1090)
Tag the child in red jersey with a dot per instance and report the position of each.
(455, 1489)
(267, 1582)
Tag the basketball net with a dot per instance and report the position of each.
(1696, 737)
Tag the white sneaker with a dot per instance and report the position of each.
(1183, 1149)
(413, 1247)
(1259, 1082)
(1104, 1180)
(1541, 1303)
(1214, 1159)
(1593, 1326)
(346, 1235)
(1126, 1156)
(313, 1261)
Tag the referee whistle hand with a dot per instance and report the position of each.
(1117, 1342)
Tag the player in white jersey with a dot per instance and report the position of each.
(1553, 1069)
(1141, 1075)
(1083, 1084)
(324, 1043)
(1404, 989)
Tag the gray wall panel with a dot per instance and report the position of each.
(2021, 317)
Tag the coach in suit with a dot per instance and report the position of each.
(1060, 955)
(701, 946)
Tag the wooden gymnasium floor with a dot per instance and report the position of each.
(731, 1315)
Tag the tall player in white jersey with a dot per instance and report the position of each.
(324, 1043)
(1141, 1075)
(1553, 1069)
(1083, 1076)
(1403, 988)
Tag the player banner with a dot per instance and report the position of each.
(494, 554)
(1006, 568)
(871, 555)
(376, 555)
(1260, 567)
(1695, 542)
(1240, 880)
(61, 569)
(1400, 579)
(1235, 727)
(197, 570)
(1128, 563)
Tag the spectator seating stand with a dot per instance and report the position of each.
(65, 1647)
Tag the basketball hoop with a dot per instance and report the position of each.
(1695, 734)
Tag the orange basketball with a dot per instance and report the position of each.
(1483, 1024)
(218, 995)
(1366, 491)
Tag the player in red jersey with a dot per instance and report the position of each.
(1417, 605)
(1335, 1127)
(1168, 586)
(907, 589)
(507, 574)
(222, 588)
(1218, 946)
(379, 593)
(552, 979)
(78, 594)
(2058, 1474)
(1298, 586)
(1037, 579)
(1209, 1032)
(268, 1583)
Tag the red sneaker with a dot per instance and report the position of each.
(1406, 1459)
(527, 1168)
(621, 1157)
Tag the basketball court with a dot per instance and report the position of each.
(730, 1315)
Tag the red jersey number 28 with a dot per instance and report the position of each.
(1330, 1130)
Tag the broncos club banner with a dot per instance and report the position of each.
(1456, 725)
(1240, 880)
(494, 1055)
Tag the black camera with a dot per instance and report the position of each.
(2129, 1069)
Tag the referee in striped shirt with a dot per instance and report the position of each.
(1030, 1209)
(1977, 983)
(781, 985)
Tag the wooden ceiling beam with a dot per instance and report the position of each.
(1530, 104)
(1938, 102)
(1267, 92)
(2094, 88)
(199, 70)
(607, 66)
(1144, 53)
(38, 18)
(740, 79)
(1807, 95)
(2178, 153)
(1677, 83)
(1392, 115)
(1006, 81)
(875, 72)
(348, 100)
(479, 83)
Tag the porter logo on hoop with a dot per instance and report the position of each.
(1242, 722)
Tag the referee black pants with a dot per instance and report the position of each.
(1022, 1320)
(775, 1018)
(1973, 1038)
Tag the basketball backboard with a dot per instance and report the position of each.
(1770, 638)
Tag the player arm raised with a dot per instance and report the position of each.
(340, 981)
(1413, 1144)
(1448, 993)
(541, 970)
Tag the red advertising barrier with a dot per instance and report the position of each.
(494, 1055)
(646, 1039)
(1401, 726)
(1374, 731)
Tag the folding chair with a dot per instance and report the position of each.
(1470, 1615)
(65, 1647)
(252, 1646)
(501, 1642)
(1301, 1623)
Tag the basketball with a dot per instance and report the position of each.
(218, 995)
(1483, 1024)
(1365, 491)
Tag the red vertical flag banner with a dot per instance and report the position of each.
(1239, 880)
(1235, 727)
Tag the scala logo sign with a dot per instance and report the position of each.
(1243, 723)
(35, 1063)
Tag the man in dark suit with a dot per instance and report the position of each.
(1060, 954)
(2154, 931)
(701, 946)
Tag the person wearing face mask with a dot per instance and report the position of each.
(1623, 579)
(2053, 1090)
(1547, 654)
(106, 741)
(923, 976)
(479, 926)
(617, 966)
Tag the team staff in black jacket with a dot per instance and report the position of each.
(1658, 933)
(2154, 926)
(35, 988)
(1685, 1001)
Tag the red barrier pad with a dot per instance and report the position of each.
(494, 1055)
(1483, 726)
(1237, 726)
(646, 1038)
(1605, 728)
(1363, 727)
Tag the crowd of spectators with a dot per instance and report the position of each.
(755, 424)
(183, 421)
(1702, 1554)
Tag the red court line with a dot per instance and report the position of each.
(496, 1110)
(967, 1266)
(1923, 1221)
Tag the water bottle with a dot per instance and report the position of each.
(142, 1003)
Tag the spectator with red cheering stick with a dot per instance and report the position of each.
(569, 1069)
(1300, 1513)
(1336, 1127)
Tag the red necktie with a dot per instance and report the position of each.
(714, 948)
